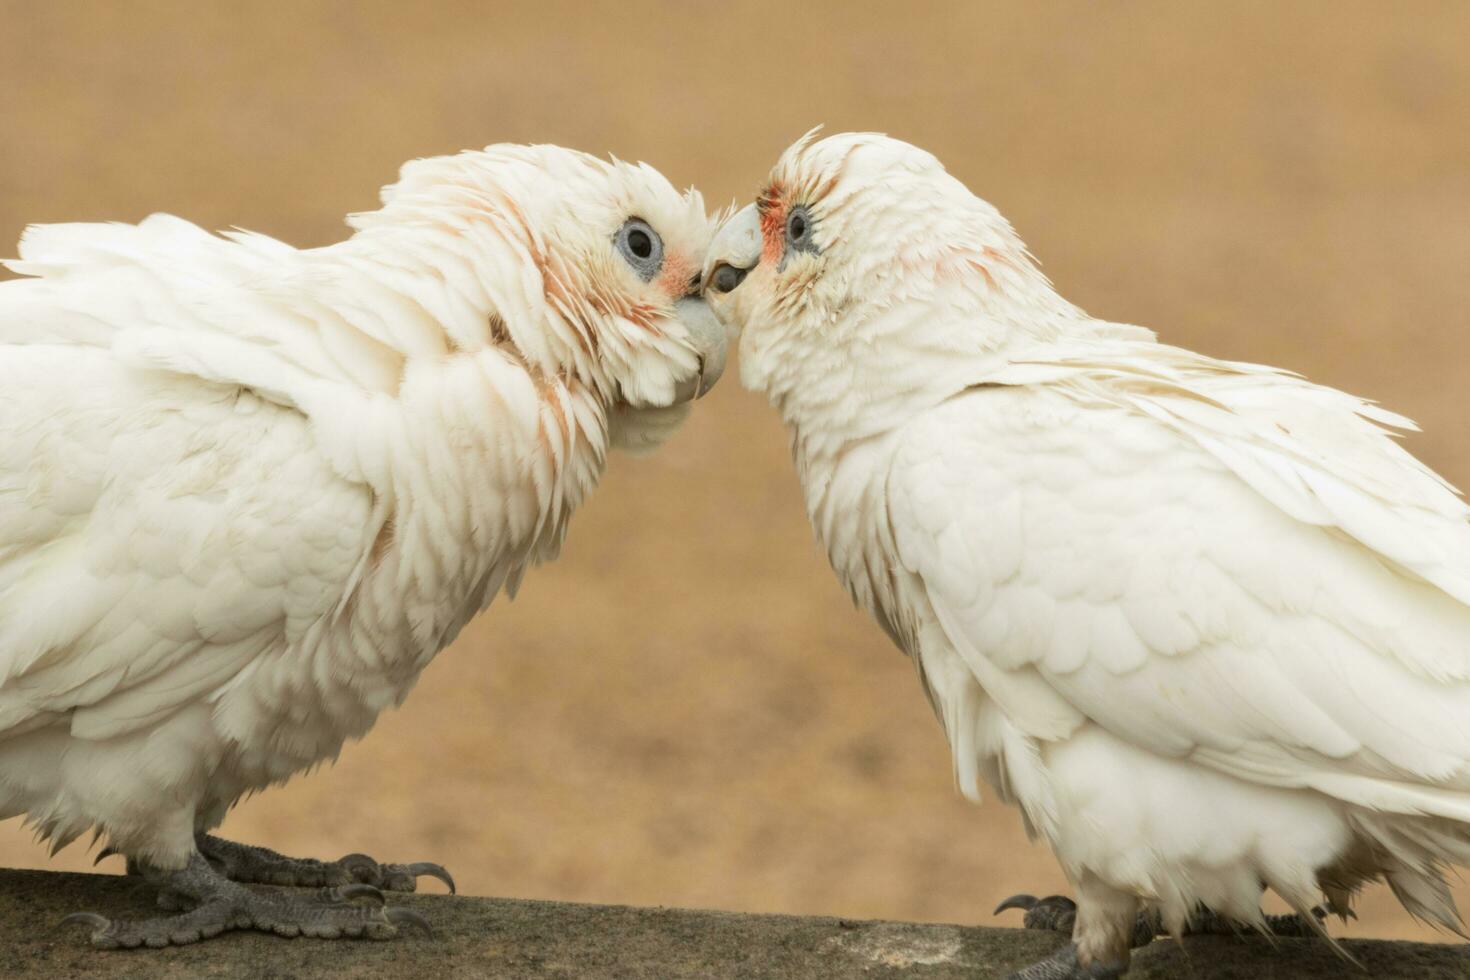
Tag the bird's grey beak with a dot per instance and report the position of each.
(710, 339)
(734, 252)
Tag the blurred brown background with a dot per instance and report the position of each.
(685, 710)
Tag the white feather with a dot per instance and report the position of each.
(1205, 622)
(247, 492)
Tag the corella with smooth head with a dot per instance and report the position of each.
(247, 492)
(1204, 623)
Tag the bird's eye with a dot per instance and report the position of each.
(799, 230)
(641, 247)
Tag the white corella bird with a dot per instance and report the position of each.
(1205, 623)
(247, 491)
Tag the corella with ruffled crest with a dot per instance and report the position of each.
(1205, 623)
(248, 491)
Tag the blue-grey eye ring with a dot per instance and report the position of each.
(800, 231)
(640, 247)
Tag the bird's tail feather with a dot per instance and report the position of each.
(1413, 854)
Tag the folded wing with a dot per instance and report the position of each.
(1213, 561)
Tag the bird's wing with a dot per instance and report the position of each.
(1322, 456)
(200, 441)
(156, 538)
(293, 326)
(1213, 562)
(162, 529)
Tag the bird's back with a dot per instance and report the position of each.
(160, 530)
(1222, 567)
(157, 535)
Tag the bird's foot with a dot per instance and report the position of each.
(1064, 965)
(1058, 913)
(1054, 913)
(260, 865)
(215, 904)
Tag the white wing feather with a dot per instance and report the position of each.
(1215, 561)
(140, 568)
(166, 294)
(136, 507)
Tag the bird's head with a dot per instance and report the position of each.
(853, 244)
(586, 269)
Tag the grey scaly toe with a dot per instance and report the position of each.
(214, 904)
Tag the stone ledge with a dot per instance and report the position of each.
(512, 939)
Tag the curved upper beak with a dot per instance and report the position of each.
(735, 250)
(711, 339)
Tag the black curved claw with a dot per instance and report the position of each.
(400, 916)
(1024, 902)
(358, 889)
(1054, 913)
(420, 868)
(103, 855)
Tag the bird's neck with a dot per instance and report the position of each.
(865, 375)
(482, 465)
(432, 270)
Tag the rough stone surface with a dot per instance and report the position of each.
(504, 938)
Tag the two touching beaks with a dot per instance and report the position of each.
(735, 250)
